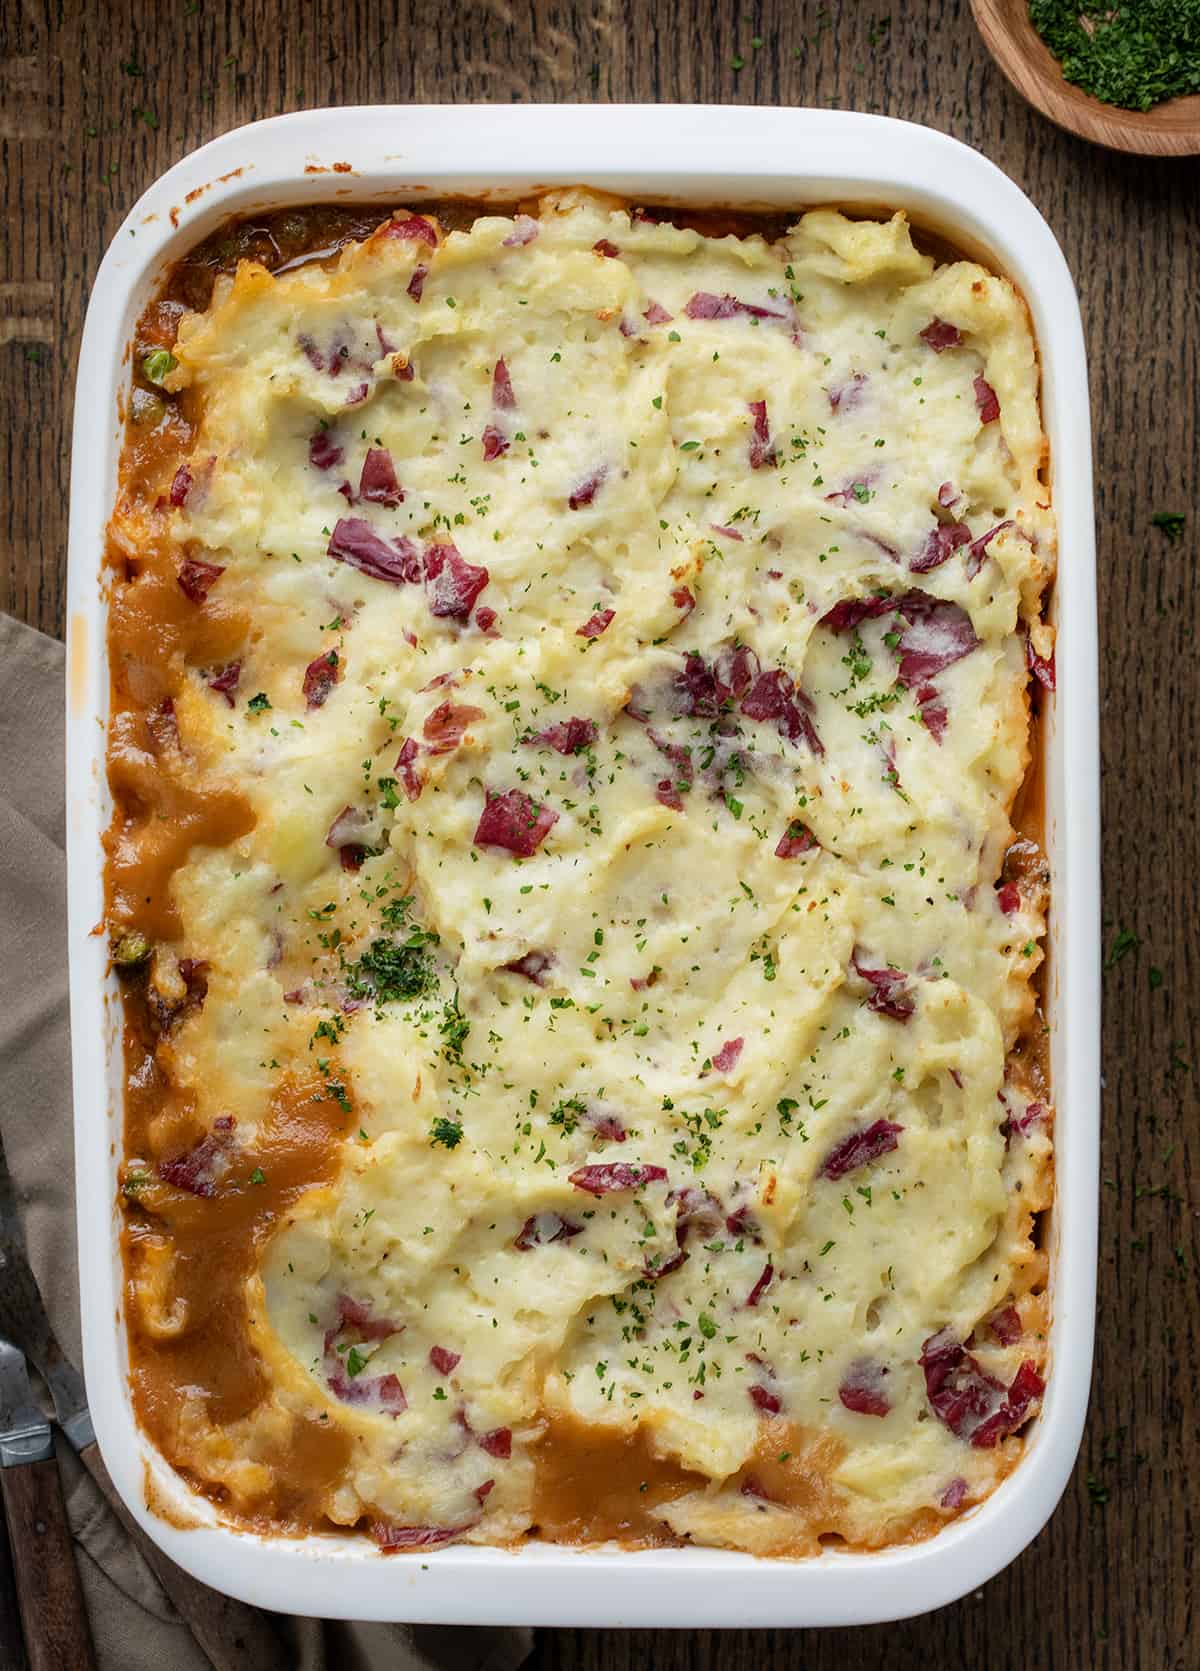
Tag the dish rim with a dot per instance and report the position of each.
(702, 155)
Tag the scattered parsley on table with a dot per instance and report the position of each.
(1171, 523)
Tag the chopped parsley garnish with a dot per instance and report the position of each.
(446, 1132)
(259, 704)
(858, 661)
(395, 914)
(454, 1028)
(567, 1114)
(391, 971)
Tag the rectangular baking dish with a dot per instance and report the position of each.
(758, 158)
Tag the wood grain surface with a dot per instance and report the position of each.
(97, 99)
(49, 1594)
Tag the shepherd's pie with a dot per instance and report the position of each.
(571, 686)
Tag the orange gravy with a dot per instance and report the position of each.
(598, 1484)
(595, 1483)
(215, 1243)
(155, 633)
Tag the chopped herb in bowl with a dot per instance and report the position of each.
(1134, 55)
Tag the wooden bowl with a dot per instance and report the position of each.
(1171, 129)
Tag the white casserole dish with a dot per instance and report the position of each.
(698, 155)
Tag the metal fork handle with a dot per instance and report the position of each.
(30, 1440)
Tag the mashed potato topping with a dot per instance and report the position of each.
(629, 695)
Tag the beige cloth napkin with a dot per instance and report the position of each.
(134, 1625)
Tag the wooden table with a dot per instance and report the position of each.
(97, 104)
